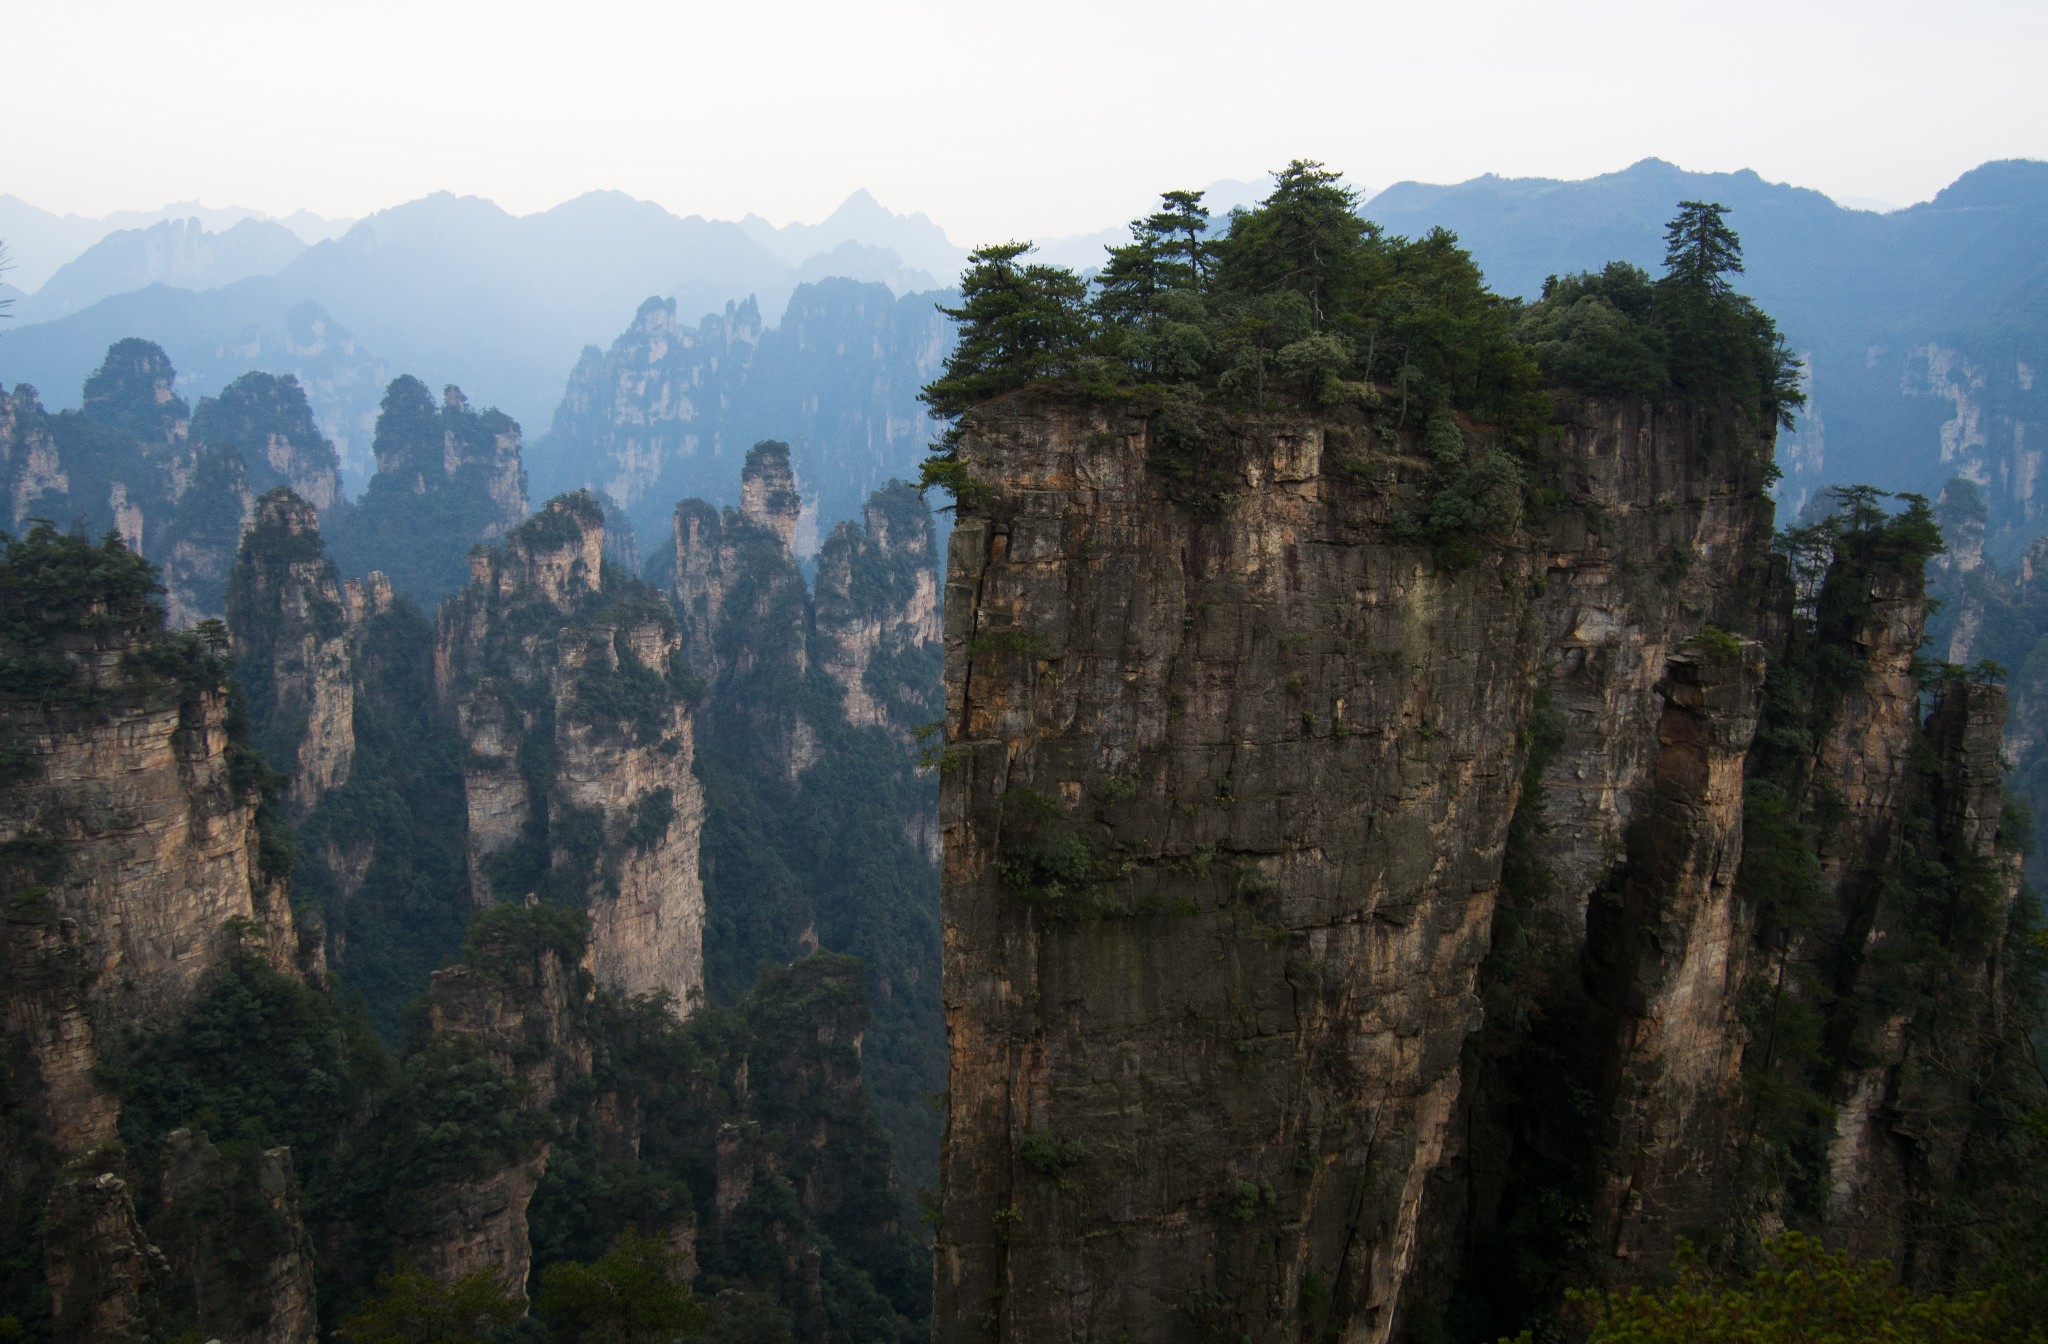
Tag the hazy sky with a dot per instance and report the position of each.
(1035, 118)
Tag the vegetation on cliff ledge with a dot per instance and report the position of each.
(1300, 302)
(1300, 295)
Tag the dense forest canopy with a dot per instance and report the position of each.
(1302, 300)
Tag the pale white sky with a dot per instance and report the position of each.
(1037, 118)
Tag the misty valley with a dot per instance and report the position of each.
(1451, 765)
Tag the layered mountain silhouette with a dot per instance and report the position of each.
(1923, 327)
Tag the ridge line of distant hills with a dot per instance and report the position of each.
(1923, 327)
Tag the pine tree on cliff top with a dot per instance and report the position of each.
(1306, 237)
(1018, 324)
(1700, 250)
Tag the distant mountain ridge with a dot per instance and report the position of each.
(178, 252)
(1923, 327)
(915, 239)
(666, 409)
(460, 290)
(40, 241)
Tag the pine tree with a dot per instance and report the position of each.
(1179, 227)
(1305, 237)
(1150, 280)
(1018, 324)
(1700, 250)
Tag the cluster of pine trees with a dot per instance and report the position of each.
(1301, 300)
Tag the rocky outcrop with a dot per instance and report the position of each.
(134, 393)
(872, 624)
(1319, 906)
(447, 478)
(877, 607)
(744, 610)
(104, 1276)
(290, 618)
(1876, 610)
(539, 660)
(258, 434)
(1918, 1003)
(525, 1008)
(456, 1228)
(241, 1264)
(269, 423)
(739, 596)
(197, 546)
(664, 413)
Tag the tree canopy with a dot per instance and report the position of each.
(415, 1309)
(1800, 1294)
(1018, 323)
(1300, 298)
(1687, 335)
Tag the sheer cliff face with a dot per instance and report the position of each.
(1661, 533)
(235, 1296)
(1227, 797)
(872, 624)
(1224, 804)
(523, 1014)
(133, 842)
(256, 436)
(738, 592)
(197, 545)
(123, 463)
(580, 743)
(744, 610)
